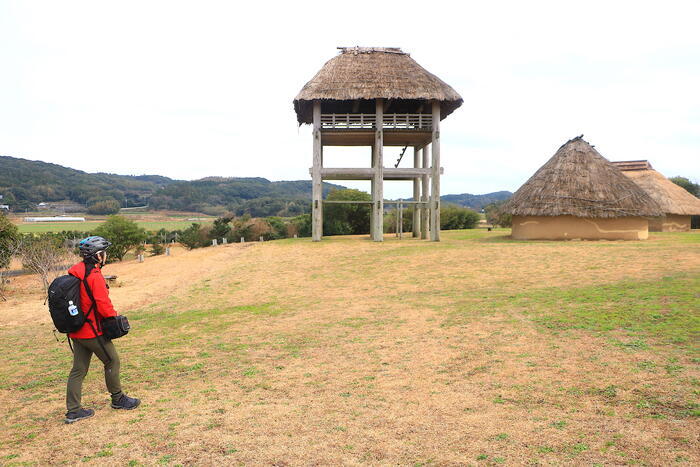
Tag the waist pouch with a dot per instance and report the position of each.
(115, 327)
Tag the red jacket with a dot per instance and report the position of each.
(99, 290)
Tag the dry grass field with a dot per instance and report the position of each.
(478, 350)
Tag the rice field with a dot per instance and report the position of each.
(478, 350)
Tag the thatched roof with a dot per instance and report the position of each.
(578, 181)
(362, 73)
(672, 198)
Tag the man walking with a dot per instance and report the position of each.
(88, 339)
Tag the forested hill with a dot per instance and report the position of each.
(25, 183)
(476, 202)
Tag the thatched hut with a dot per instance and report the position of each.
(677, 204)
(377, 97)
(578, 194)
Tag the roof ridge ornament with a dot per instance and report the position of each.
(368, 50)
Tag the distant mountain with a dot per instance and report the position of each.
(476, 202)
(25, 183)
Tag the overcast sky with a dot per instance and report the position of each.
(201, 88)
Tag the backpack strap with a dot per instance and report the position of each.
(88, 270)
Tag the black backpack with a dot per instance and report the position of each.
(62, 291)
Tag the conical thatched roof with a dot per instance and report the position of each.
(578, 181)
(672, 198)
(371, 73)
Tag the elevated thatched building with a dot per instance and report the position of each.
(578, 194)
(676, 203)
(378, 97)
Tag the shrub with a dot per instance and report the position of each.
(496, 215)
(390, 220)
(221, 228)
(346, 219)
(455, 217)
(158, 241)
(259, 228)
(278, 228)
(123, 233)
(241, 227)
(157, 249)
(108, 206)
(9, 235)
(300, 225)
(192, 236)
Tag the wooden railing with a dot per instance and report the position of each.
(368, 121)
(408, 121)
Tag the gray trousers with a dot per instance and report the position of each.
(82, 353)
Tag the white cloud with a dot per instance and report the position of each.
(189, 89)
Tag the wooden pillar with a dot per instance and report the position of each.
(378, 178)
(317, 182)
(371, 211)
(416, 194)
(425, 211)
(435, 183)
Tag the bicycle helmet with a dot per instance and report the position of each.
(92, 245)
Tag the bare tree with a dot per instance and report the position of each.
(8, 250)
(44, 258)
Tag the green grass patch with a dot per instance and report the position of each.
(204, 319)
(667, 310)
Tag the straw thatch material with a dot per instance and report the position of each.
(578, 181)
(632, 165)
(672, 198)
(371, 73)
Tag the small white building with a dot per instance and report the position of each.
(54, 219)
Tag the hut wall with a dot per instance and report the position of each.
(570, 228)
(670, 223)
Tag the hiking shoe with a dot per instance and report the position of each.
(125, 402)
(80, 414)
